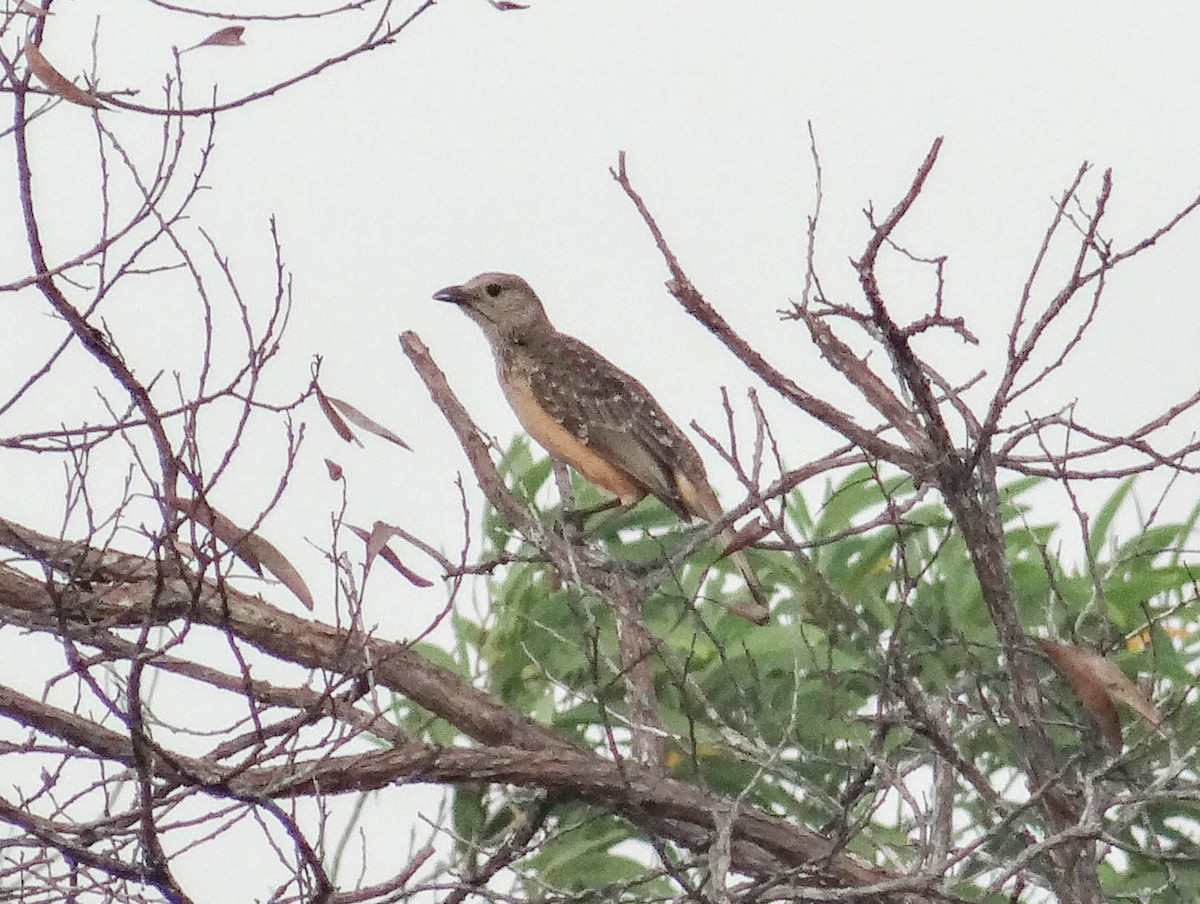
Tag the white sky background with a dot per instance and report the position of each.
(482, 140)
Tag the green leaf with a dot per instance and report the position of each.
(1010, 492)
(595, 871)
(796, 509)
(1128, 594)
(593, 835)
(1186, 529)
(533, 478)
(857, 492)
(1164, 659)
(469, 813)
(1148, 544)
(1103, 520)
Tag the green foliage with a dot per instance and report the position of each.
(798, 716)
(580, 855)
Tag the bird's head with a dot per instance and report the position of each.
(503, 305)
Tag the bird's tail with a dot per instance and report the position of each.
(757, 609)
(699, 499)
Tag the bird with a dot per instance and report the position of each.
(590, 414)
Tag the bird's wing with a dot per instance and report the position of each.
(616, 416)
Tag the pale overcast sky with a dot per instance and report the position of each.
(482, 140)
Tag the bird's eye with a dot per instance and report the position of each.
(493, 289)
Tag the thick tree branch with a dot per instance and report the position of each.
(518, 751)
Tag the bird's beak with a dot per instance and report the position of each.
(454, 294)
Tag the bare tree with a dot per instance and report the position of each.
(931, 715)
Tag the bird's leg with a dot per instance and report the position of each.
(579, 517)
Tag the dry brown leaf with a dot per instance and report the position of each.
(57, 82)
(377, 541)
(1089, 688)
(358, 419)
(335, 470)
(29, 9)
(380, 534)
(1121, 688)
(751, 611)
(252, 549)
(1098, 682)
(342, 428)
(1061, 807)
(220, 526)
(505, 5)
(276, 563)
(750, 533)
(230, 36)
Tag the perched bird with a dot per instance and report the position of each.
(587, 412)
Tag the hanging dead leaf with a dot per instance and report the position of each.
(342, 428)
(1098, 682)
(1061, 807)
(252, 549)
(1124, 690)
(750, 533)
(230, 36)
(380, 534)
(377, 541)
(751, 611)
(358, 419)
(57, 82)
(220, 526)
(29, 9)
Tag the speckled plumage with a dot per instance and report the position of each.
(610, 411)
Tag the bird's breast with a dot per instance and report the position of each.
(516, 379)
